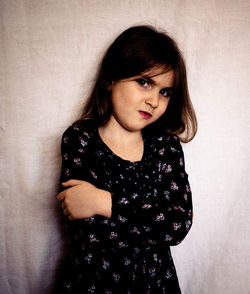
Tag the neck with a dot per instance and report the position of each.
(116, 133)
(127, 145)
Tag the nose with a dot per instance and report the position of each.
(152, 100)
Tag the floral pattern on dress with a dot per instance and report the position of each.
(151, 210)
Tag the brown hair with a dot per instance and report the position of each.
(138, 50)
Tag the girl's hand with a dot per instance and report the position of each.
(84, 200)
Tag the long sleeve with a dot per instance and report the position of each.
(74, 151)
(78, 162)
(163, 212)
(172, 217)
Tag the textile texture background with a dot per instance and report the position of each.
(50, 51)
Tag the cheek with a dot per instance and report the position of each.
(163, 106)
(120, 98)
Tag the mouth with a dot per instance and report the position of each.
(145, 114)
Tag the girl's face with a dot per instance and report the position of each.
(141, 100)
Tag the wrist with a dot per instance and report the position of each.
(104, 203)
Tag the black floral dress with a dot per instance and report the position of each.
(151, 210)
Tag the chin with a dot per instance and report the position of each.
(134, 128)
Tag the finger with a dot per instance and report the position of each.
(71, 183)
(60, 196)
(70, 217)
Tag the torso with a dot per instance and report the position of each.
(114, 255)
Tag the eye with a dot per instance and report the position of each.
(142, 83)
(166, 92)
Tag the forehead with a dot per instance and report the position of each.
(156, 71)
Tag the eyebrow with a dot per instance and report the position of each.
(152, 81)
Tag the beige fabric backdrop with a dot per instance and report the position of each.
(49, 54)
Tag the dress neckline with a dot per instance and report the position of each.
(114, 155)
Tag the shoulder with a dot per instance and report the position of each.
(167, 148)
(167, 142)
(78, 134)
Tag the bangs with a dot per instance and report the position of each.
(138, 51)
(157, 70)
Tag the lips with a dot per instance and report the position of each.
(145, 114)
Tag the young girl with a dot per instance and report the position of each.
(126, 193)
